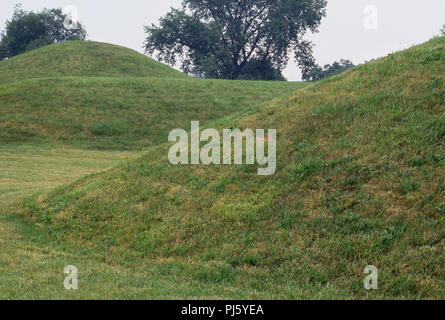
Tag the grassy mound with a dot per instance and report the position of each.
(121, 113)
(101, 96)
(360, 181)
(83, 59)
(70, 100)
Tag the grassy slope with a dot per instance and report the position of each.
(60, 103)
(26, 169)
(121, 113)
(83, 59)
(360, 181)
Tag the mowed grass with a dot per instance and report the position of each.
(30, 271)
(61, 104)
(72, 109)
(83, 59)
(360, 181)
(27, 169)
(121, 113)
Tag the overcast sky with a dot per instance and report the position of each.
(358, 30)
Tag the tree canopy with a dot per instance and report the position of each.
(232, 39)
(29, 30)
(317, 73)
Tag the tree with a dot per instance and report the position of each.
(442, 31)
(30, 30)
(232, 38)
(260, 70)
(3, 51)
(316, 72)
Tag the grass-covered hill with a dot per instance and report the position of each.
(120, 113)
(83, 59)
(100, 96)
(360, 181)
(61, 104)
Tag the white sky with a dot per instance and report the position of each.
(401, 23)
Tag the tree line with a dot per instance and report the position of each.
(29, 30)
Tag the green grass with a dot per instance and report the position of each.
(121, 113)
(26, 169)
(62, 104)
(83, 59)
(360, 181)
